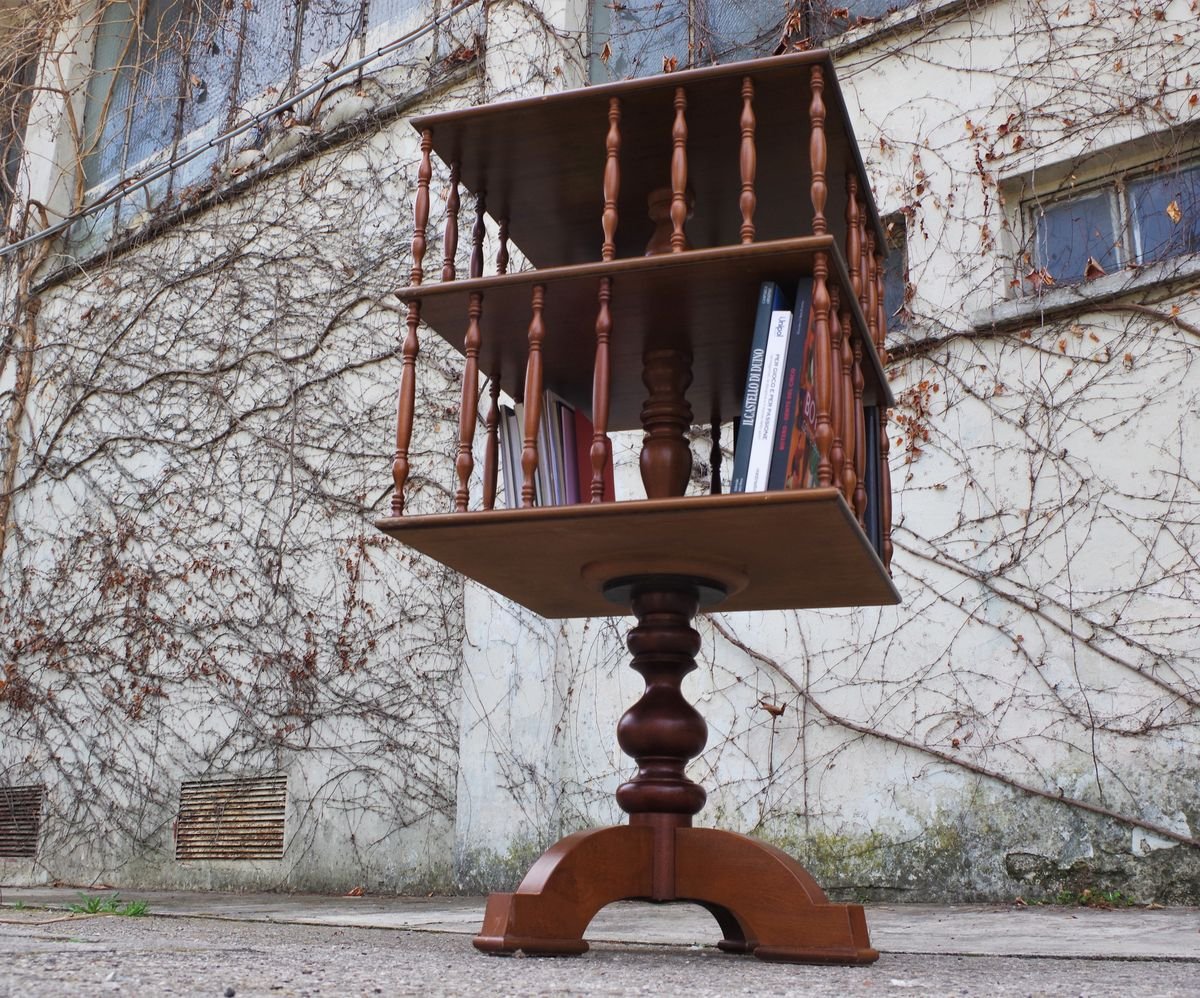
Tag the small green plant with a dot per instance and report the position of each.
(111, 905)
(19, 906)
(1088, 898)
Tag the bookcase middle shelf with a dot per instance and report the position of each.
(701, 302)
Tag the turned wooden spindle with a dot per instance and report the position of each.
(748, 162)
(601, 387)
(502, 252)
(464, 463)
(491, 448)
(818, 151)
(714, 455)
(853, 242)
(860, 433)
(849, 406)
(822, 350)
(662, 731)
(602, 369)
(864, 265)
(450, 240)
(666, 461)
(408, 359)
(612, 180)
(871, 310)
(679, 206)
(533, 397)
(837, 452)
(881, 322)
(477, 234)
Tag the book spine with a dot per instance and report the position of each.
(570, 461)
(795, 380)
(511, 471)
(769, 396)
(758, 351)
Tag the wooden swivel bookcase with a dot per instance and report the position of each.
(749, 172)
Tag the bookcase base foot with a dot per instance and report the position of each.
(764, 902)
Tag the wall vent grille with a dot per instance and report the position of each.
(231, 819)
(20, 821)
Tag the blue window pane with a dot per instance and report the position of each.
(739, 29)
(330, 28)
(158, 78)
(1071, 231)
(639, 35)
(212, 63)
(106, 114)
(1165, 209)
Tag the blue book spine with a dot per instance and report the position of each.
(795, 378)
(770, 298)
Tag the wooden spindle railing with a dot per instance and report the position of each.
(863, 260)
(679, 167)
(408, 376)
(602, 370)
(491, 448)
(450, 240)
(853, 240)
(851, 408)
(502, 252)
(533, 397)
(818, 157)
(871, 311)
(837, 450)
(464, 463)
(860, 431)
(748, 162)
(477, 234)
(714, 455)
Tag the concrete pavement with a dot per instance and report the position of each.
(197, 943)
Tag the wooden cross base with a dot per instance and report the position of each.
(763, 900)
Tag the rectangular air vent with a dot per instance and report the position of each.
(20, 821)
(231, 819)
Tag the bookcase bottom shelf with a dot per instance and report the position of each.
(767, 550)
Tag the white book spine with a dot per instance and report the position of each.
(759, 469)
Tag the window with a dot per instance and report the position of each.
(1134, 219)
(170, 74)
(636, 37)
(16, 92)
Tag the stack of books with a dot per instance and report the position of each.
(776, 444)
(564, 445)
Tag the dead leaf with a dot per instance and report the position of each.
(1093, 269)
(670, 64)
(774, 709)
(1173, 212)
(354, 892)
(606, 53)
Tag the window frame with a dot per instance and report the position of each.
(1117, 185)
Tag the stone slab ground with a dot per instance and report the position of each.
(276, 944)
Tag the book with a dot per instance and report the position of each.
(871, 517)
(769, 298)
(793, 422)
(769, 395)
(570, 447)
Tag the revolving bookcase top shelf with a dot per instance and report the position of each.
(649, 213)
